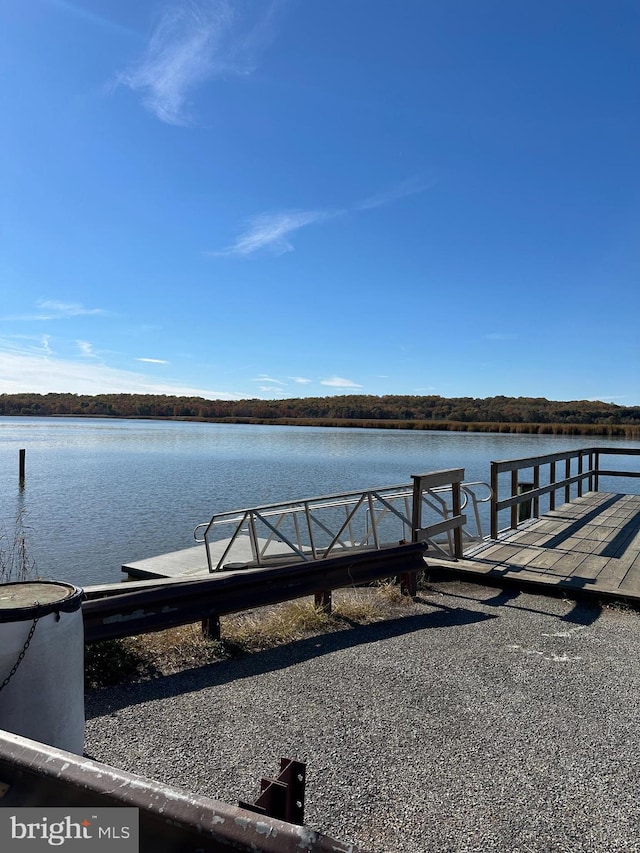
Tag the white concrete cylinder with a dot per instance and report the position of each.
(44, 698)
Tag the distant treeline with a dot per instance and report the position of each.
(490, 414)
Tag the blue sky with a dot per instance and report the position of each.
(287, 198)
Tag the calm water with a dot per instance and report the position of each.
(100, 493)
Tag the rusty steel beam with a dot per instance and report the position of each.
(170, 604)
(171, 819)
(282, 797)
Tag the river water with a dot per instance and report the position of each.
(99, 493)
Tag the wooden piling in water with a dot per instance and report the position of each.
(23, 454)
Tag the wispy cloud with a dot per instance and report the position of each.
(263, 377)
(153, 360)
(34, 369)
(86, 349)
(301, 380)
(272, 231)
(91, 17)
(53, 310)
(339, 382)
(411, 186)
(195, 41)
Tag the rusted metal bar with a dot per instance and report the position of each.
(33, 774)
(283, 797)
(181, 603)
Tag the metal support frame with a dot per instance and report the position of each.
(282, 797)
(33, 774)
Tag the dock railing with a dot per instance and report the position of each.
(427, 516)
(322, 527)
(578, 468)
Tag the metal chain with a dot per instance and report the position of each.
(22, 653)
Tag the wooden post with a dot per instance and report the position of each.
(323, 600)
(580, 472)
(514, 491)
(211, 627)
(416, 507)
(23, 454)
(494, 500)
(456, 498)
(524, 509)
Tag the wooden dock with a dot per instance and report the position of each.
(590, 545)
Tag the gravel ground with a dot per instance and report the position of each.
(479, 720)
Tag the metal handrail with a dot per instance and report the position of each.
(306, 524)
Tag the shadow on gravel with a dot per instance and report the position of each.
(106, 700)
(582, 612)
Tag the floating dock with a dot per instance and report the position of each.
(189, 562)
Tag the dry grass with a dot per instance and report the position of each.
(16, 564)
(161, 653)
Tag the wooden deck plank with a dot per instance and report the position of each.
(591, 545)
(545, 559)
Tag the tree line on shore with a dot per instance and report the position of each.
(495, 414)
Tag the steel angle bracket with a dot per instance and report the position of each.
(282, 797)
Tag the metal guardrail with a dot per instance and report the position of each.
(33, 774)
(318, 528)
(117, 612)
(580, 466)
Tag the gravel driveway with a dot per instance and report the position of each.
(479, 720)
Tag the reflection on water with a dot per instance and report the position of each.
(99, 493)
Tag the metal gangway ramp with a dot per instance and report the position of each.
(431, 508)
